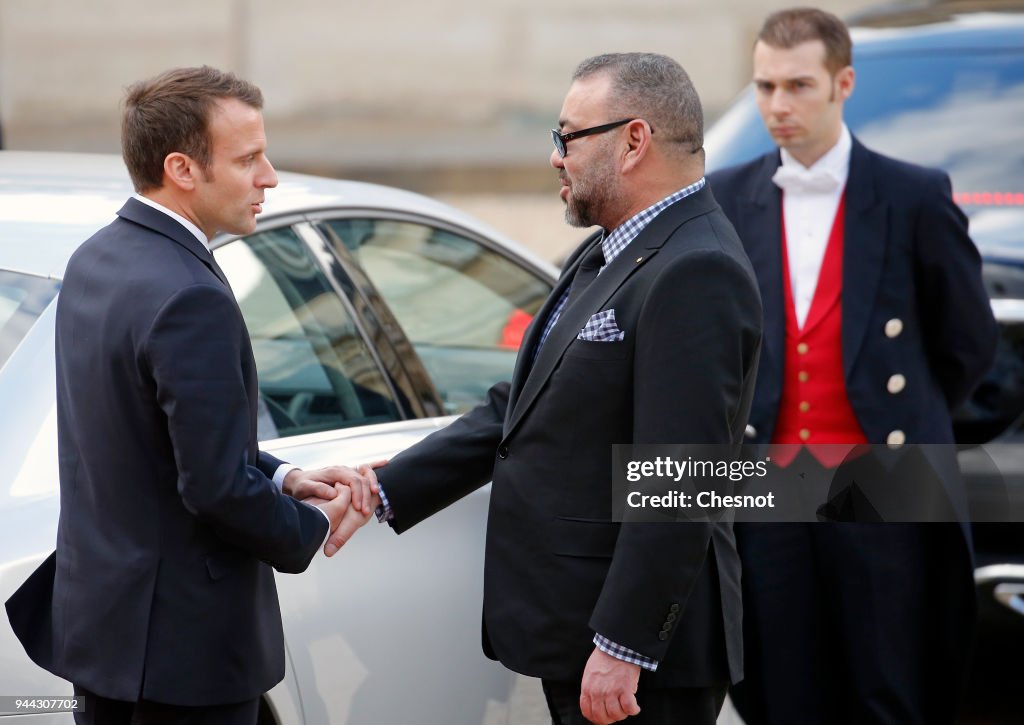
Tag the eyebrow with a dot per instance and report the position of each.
(784, 80)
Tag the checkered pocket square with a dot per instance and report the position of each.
(601, 327)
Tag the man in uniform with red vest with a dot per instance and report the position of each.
(876, 325)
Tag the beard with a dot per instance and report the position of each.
(591, 194)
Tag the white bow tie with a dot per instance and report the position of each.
(807, 181)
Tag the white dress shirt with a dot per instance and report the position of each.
(810, 199)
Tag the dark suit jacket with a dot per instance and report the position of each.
(906, 256)
(557, 568)
(162, 586)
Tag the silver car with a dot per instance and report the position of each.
(375, 315)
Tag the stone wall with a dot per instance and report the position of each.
(451, 94)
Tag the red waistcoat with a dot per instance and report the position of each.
(814, 407)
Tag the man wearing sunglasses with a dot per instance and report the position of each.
(650, 336)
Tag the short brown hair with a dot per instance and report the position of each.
(171, 113)
(789, 28)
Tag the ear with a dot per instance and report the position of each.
(638, 143)
(180, 171)
(845, 81)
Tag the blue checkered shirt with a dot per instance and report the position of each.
(613, 245)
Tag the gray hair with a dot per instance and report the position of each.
(655, 88)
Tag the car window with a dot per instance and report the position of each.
(464, 306)
(315, 370)
(22, 300)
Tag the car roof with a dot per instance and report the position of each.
(989, 26)
(50, 202)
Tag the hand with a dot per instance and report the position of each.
(320, 484)
(609, 689)
(336, 508)
(350, 523)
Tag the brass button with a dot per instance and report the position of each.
(805, 406)
(893, 327)
(803, 376)
(802, 348)
(804, 434)
(896, 383)
(896, 439)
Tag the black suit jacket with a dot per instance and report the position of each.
(557, 568)
(161, 587)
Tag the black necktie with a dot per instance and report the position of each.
(586, 272)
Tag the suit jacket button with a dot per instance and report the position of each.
(893, 327)
(666, 627)
(503, 452)
(896, 383)
(896, 439)
(671, 617)
(662, 636)
(750, 432)
(674, 608)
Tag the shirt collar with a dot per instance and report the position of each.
(196, 231)
(836, 160)
(622, 235)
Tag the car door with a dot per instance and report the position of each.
(341, 383)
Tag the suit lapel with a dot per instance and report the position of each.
(863, 252)
(639, 252)
(135, 211)
(531, 338)
(759, 225)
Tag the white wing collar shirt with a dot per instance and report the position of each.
(810, 199)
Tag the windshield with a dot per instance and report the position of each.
(22, 300)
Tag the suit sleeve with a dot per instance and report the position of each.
(446, 465)
(194, 352)
(696, 351)
(959, 328)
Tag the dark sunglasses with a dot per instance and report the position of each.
(561, 139)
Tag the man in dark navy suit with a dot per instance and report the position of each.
(876, 326)
(159, 604)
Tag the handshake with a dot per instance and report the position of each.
(347, 496)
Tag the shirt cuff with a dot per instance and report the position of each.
(283, 470)
(384, 512)
(624, 653)
(328, 534)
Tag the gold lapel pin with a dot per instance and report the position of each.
(639, 260)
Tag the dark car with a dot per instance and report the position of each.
(943, 86)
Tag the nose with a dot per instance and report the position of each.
(779, 104)
(556, 161)
(267, 178)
